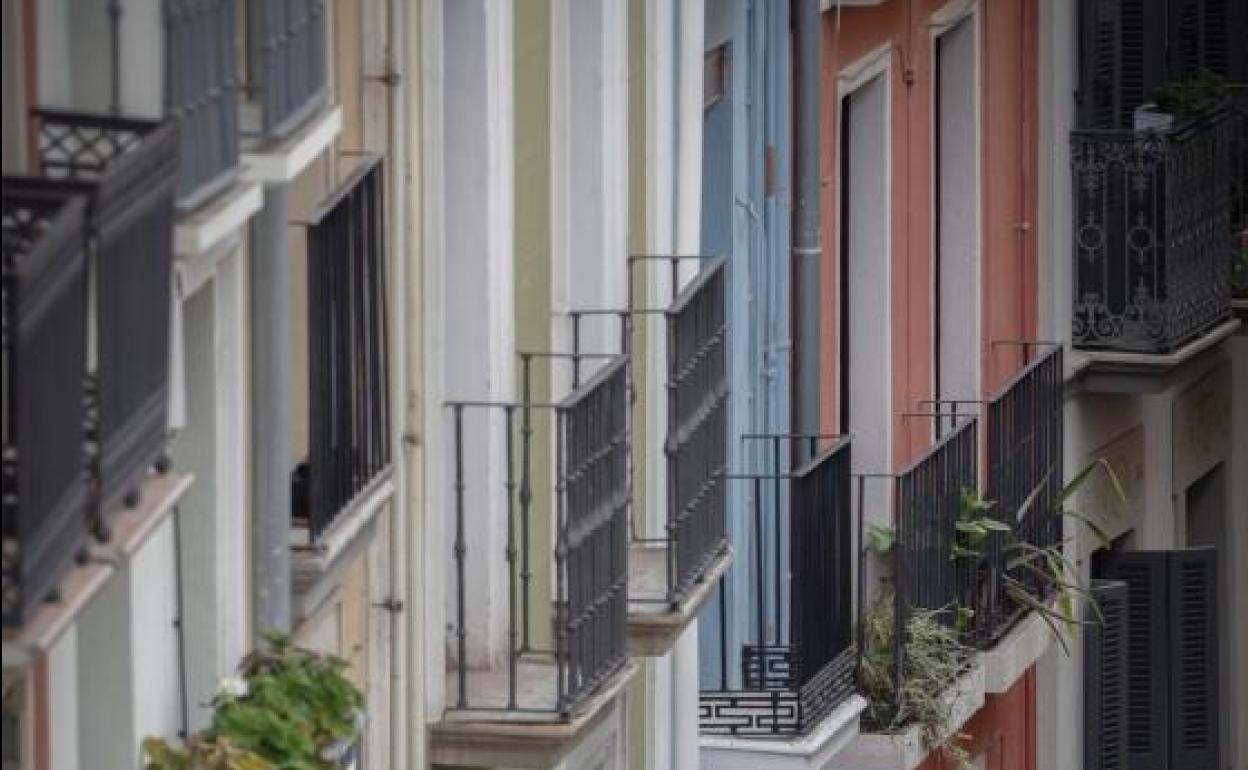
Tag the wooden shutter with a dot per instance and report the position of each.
(1144, 573)
(1105, 678)
(1193, 660)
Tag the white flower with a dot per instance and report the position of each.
(234, 687)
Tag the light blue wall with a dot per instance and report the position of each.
(751, 227)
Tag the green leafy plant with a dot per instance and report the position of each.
(934, 660)
(296, 709)
(881, 539)
(1192, 97)
(200, 754)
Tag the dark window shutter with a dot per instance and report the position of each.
(1100, 64)
(1105, 678)
(1148, 727)
(1193, 661)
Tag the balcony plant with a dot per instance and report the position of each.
(288, 709)
(291, 706)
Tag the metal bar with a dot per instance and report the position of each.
(512, 633)
(562, 652)
(775, 459)
(526, 495)
(461, 633)
(758, 558)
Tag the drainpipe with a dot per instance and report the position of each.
(807, 250)
(270, 414)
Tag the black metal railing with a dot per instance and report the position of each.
(590, 500)
(1024, 485)
(127, 170)
(1152, 228)
(799, 664)
(1239, 193)
(201, 93)
(45, 347)
(286, 64)
(348, 362)
(928, 499)
(697, 427)
(695, 444)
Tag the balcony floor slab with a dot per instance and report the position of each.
(1109, 372)
(199, 231)
(159, 495)
(653, 624)
(1010, 658)
(531, 736)
(800, 752)
(280, 162)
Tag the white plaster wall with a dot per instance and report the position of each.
(75, 56)
(63, 716)
(106, 671)
(870, 391)
(958, 218)
(478, 348)
(156, 687)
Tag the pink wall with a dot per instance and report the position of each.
(1007, 30)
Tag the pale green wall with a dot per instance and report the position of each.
(532, 275)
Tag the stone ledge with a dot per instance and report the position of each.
(1010, 658)
(282, 161)
(653, 625)
(1109, 372)
(905, 750)
(198, 231)
(799, 752)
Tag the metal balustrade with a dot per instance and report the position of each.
(348, 362)
(590, 499)
(286, 63)
(1024, 426)
(45, 347)
(201, 93)
(127, 171)
(1239, 193)
(798, 665)
(695, 444)
(1152, 231)
(927, 499)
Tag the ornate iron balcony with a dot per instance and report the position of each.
(348, 360)
(286, 66)
(797, 663)
(1152, 234)
(127, 171)
(45, 355)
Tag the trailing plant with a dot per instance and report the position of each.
(1193, 96)
(296, 708)
(201, 753)
(934, 659)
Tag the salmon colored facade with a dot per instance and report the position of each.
(1006, 71)
(1007, 106)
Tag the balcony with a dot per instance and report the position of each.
(126, 170)
(1239, 203)
(286, 64)
(202, 95)
(794, 667)
(538, 631)
(45, 349)
(339, 488)
(1153, 230)
(673, 576)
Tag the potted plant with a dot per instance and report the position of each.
(1182, 100)
(201, 753)
(293, 707)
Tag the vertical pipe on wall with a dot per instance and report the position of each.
(807, 249)
(270, 414)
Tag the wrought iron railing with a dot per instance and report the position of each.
(799, 664)
(1152, 228)
(127, 170)
(1024, 486)
(928, 499)
(45, 347)
(201, 93)
(590, 495)
(348, 362)
(697, 427)
(286, 64)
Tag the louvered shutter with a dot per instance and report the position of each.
(1203, 34)
(1148, 726)
(1105, 678)
(1193, 659)
(1099, 63)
